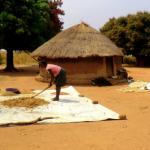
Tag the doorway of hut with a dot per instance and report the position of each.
(109, 66)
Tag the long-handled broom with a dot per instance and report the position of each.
(40, 92)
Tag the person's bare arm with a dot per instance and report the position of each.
(52, 78)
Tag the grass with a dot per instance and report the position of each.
(20, 58)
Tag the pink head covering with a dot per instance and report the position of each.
(54, 69)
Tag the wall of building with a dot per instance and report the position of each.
(117, 60)
(83, 70)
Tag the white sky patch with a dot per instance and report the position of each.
(97, 12)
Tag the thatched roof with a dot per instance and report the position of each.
(78, 41)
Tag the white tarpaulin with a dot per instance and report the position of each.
(70, 108)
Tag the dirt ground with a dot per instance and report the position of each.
(131, 134)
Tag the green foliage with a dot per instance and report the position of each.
(25, 24)
(129, 59)
(54, 12)
(132, 33)
(1, 59)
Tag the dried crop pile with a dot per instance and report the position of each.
(24, 102)
(61, 93)
(138, 86)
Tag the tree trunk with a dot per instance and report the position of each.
(10, 62)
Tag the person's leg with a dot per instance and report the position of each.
(60, 80)
(58, 88)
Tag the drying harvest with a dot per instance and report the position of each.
(6, 93)
(138, 86)
(61, 93)
(24, 102)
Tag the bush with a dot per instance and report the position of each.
(129, 59)
(1, 59)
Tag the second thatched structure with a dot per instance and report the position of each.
(84, 52)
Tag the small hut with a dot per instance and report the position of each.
(84, 52)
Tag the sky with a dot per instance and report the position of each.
(97, 12)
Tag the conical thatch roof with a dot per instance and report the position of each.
(78, 41)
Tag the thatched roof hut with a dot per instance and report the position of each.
(78, 41)
(79, 46)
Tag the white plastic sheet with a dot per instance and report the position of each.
(70, 108)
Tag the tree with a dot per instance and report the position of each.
(54, 12)
(132, 33)
(24, 25)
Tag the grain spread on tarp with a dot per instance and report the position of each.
(24, 102)
(61, 93)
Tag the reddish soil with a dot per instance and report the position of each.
(130, 134)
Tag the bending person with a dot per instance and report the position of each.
(58, 77)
